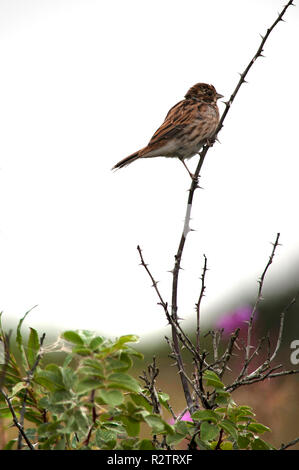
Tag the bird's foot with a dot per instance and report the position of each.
(192, 176)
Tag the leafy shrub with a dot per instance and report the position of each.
(92, 401)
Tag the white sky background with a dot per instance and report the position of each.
(85, 83)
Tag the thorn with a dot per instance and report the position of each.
(228, 368)
(262, 36)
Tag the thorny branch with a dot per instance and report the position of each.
(149, 379)
(193, 187)
(259, 296)
(219, 363)
(197, 306)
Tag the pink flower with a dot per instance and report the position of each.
(235, 319)
(186, 417)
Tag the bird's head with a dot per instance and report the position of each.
(203, 92)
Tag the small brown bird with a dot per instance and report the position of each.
(187, 127)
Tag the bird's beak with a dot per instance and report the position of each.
(218, 96)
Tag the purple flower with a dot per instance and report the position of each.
(234, 319)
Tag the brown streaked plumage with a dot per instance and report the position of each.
(187, 127)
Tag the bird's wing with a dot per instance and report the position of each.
(178, 117)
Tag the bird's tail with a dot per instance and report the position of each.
(126, 161)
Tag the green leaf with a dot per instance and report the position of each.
(128, 339)
(226, 445)
(116, 365)
(123, 381)
(33, 416)
(95, 343)
(174, 439)
(133, 352)
(156, 423)
(126, 359)
(19, 386)
(68, 377)
(146, 444)
(141, 401)
(208, 431)
(19, 341)
(259, 444)
(81, 420)
(68, 359)
(128, 444)
(243, 442)
(48, 429)
(92, 367)
(111, 397)
(212, 379)
(258, 428)
(87, 385)
(5, 412)
(223, 397)
(182, 428)
(32, 347)
(202, 444)
(61, 397)
(205, 415)
(114, 426)
(73, 337)
(60, 445)
(50, 378)
(82, 351)
(132, 426)
(229, 428)
(10, 444)
(163, 399)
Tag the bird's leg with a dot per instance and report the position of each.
(190, 174)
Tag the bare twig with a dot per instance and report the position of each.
(259, 297)
(149, 379)
(259, 53)
(15, 419)
(197, 306)
(279, 339)
(289, 444)
(229, 351)
(282, 318)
